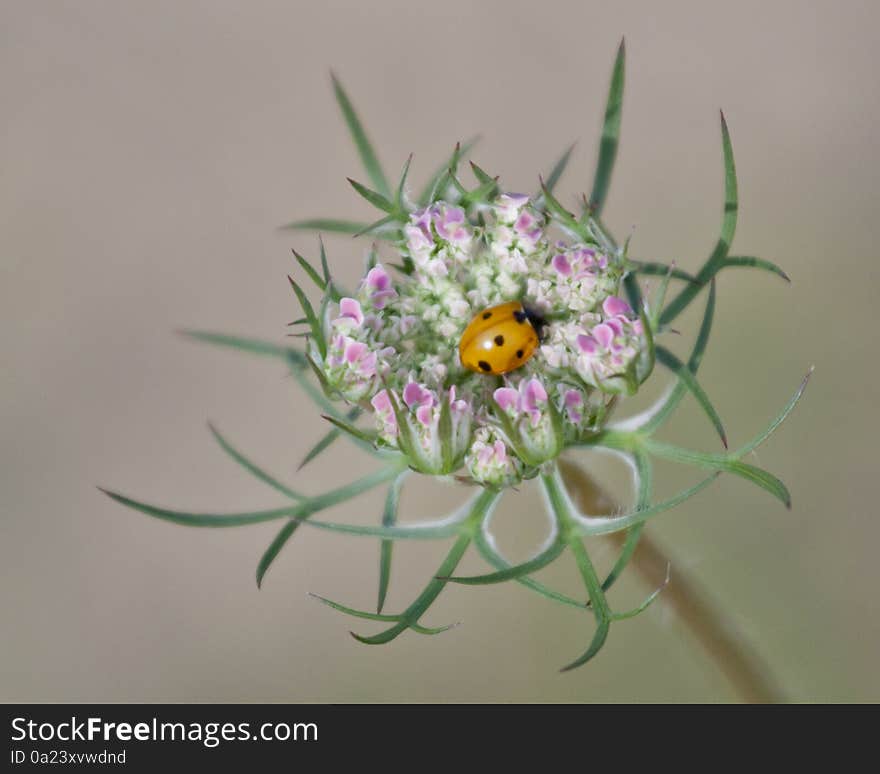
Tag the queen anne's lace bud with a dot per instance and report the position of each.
(433, 430)
(531, 421)
(609, 355)
(490, 462)
(437, 237)
(517, 233)
(393, 348)
(575, 279)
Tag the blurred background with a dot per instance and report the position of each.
(149, 152)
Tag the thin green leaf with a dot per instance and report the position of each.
(376, 617)
(374, 198)
(401, 187)
(405, 437)
(687, 378)
(605, 526)
(252, 468)
(389, 519)
(728, 228)
(355, 432)
(599, 637)
(481, 194)
(318, 396)
(762, 478)
(562, 215)
(664, 411)
(429, 191)
(190, 519)
(253, 346)
(483, 177)
(284, 534)
(645, 472)
(480, 508)
(768, 431)
(646, 604)
(722, 463)
(396, 532)
(364, 147)
(597, 603)
(758, 263)
(300, 510)
(656, 269)
(325, 268)
(376, 226)
(322, 444)
(444, 428)
(658, 301)
(327, 439)
(488, 552)
(329, 225)
(610, 134)
(423, 602)
(558, 168)
(516, 571)
(314, 323)
(310, 270)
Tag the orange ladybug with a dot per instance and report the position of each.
(500, 339)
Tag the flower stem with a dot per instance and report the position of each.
(728, 649)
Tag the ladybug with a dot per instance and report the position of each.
(500, 338)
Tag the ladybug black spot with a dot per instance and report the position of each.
(520, 316)
(499, 340)
(484, 366)
(487, 315)
(519, 354)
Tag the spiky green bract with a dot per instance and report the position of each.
(359, 135)
(389, 519)
(480, 507)
(610, 135)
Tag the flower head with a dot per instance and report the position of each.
(393, 350)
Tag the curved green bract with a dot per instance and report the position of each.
(252, 468)
(379, 617)
(488, 553)
(610, 134)
(513, 572)
(361, 141)
(301, 510)
(716, 260)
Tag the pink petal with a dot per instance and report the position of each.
(378, 278)
(414, 394)
(587, 344)
(614, 306)
(381, 402)
(507, 398)
(349, 307)
(367, 365)
(561, 264)
(425, 414)
(354, 351)
(604, 334)
(533, 394)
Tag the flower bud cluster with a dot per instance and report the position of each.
(392, 347)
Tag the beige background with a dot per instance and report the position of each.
(150, 149)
